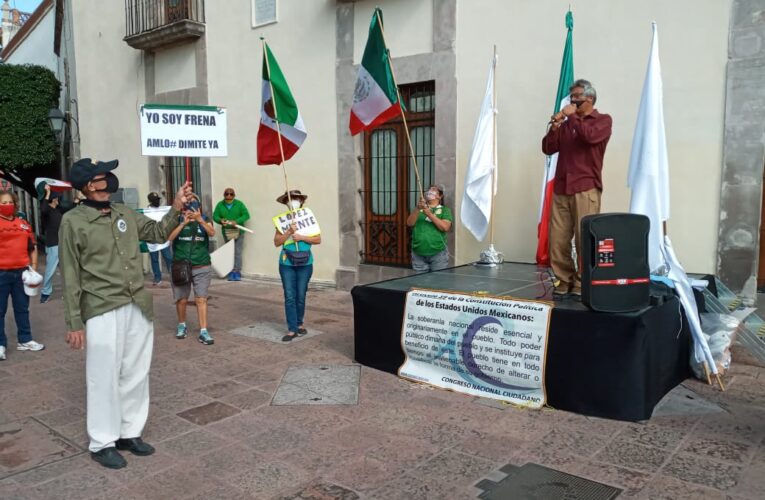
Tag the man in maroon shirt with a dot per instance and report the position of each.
(579, 134)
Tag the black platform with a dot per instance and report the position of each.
(602, 364)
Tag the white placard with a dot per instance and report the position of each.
(304, 219)
(196, 131)
(492, 347)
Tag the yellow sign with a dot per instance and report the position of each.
(303, 218)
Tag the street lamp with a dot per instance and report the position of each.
(57, 120)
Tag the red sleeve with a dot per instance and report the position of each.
(593, 131)
(551, 141)
(31, 243)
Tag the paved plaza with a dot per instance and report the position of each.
(252, 417)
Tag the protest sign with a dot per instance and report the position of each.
(493, 347)
(304, 219)
(179, 130)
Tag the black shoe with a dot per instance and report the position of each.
(289, 337)
(136, 446)
(109, 457)
(302, 331)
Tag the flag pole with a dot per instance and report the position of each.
(278, 129)
(403, 115)
(493, 146)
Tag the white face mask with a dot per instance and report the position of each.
(430, 195)
(294, 204)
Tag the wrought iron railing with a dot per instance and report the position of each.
(146, 15)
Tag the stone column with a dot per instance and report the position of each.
(743, 150)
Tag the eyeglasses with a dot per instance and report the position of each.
(228, 193)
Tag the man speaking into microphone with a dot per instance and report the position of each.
(579, 134)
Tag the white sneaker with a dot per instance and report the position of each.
(2, 352)
(30, 346)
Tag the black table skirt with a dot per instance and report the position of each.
(607, 365)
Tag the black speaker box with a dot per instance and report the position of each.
(615, 273)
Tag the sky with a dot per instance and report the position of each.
(24, 5)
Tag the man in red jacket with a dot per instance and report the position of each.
(579, 134)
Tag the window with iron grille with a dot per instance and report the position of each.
(175, 175)
(390, 183)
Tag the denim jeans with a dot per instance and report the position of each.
(51, 263)
(238, 243)
(167, 256)
(295, 283)
(431, 263)
(11, 284)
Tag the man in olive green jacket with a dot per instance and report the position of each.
(107, 310)
(229, 213)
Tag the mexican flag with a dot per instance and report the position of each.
(55, 185)
(565, 80)
(277, 106)
(375, 99)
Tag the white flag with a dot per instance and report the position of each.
(476, 202)
(649, 171)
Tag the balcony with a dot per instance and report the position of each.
(156, 24)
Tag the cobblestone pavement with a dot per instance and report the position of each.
(221, 431)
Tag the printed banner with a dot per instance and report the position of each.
(304, 219)
(155, 213)
(176, 130)
(491, 347)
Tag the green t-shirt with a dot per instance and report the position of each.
(192, 243)
(427, 239)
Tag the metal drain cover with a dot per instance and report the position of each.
(535, 482)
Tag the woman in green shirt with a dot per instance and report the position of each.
(431, 221)
(191, 240)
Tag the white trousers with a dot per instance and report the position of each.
(118, 351)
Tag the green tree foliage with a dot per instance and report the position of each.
(27, 93)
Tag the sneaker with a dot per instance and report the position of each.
(289, 337)
(44, 298)
(30, 346)
(180, 332)
(2, 352)
(231, 276)
(205, 337)
(156, 283)
(237, 276)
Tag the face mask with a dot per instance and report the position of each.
(430, 195)
(193, 205)
(7, 210)
(112, 183)
(154, 202)
(295, 204)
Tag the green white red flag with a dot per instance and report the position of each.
(55, 185)
(375, 99)
(565, 80)
(277, 106)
